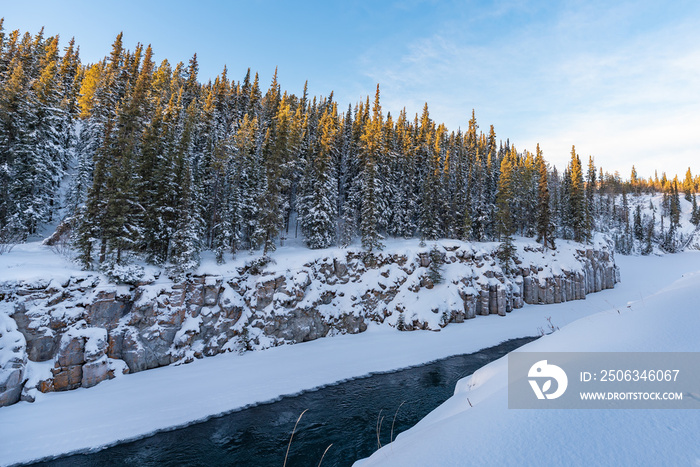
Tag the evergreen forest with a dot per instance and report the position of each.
(140, 161)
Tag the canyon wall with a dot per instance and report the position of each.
(59, 335)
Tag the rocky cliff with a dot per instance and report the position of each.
(59, 334)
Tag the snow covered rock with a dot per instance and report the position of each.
(81, 360)
(91, 328)
(13, 360)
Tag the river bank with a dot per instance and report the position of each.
(143, 403)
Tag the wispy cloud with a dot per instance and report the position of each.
(620, 82)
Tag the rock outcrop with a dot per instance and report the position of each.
(13, 361)
(93, 330)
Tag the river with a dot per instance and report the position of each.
(349, 416)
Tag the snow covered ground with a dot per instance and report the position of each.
(659, 317)
(142, 403)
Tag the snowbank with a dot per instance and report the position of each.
(142, 403)
(476, 427)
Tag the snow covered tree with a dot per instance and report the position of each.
(431, 225)
(648, 247)
(370, 154)
(165, 165)
(675, 206)
(33, 157)
(545, 226)
(318, 214)
(591, 189)
(688, 185)
(437, 260)
(577, 200)
(637, 225)
(695, 215)
(404, 210)
(505, 197)
(247, 153)
(121, 226)
(185, 244)
(504, 218)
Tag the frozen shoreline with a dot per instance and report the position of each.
(143, 403)
(666, 321)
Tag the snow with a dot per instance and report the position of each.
(33, 263)
(651, 205)
(12, 348)
(476, 427)
(38, 371)
(142, 403)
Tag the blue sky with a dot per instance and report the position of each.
(620, 80)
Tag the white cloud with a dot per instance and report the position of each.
(620, 86)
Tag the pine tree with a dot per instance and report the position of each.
(505, 198)
(490, 171)
(269, 202)
(649, 236)
(688, 185)
(186, 240)
(527, 195)
(318, 221)
(695, 215)
(591, 189)
(211, 179)
(504, 220)
(545, 226)
(634, 180)
(122, 223)
(437, 260)
(477, 182)
(101, 92)
(16, 178)
(675, 206)
(371, 151)
(274, 157)
(638, 228)
(432, 212)
(247, 153)
(49, 147)
(404, 211)
(577, 201)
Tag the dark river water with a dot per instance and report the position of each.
(345, 415)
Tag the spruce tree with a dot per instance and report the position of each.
(251, 179)
(591, 189)
(166, 165)
(675, 206)
(318, 221)
(371, 150)
(185, 244)
(577, 200)
(545, 227)
(504, 219)
(637, 227)
(437, 260)
(688, 185)
(649, 236)
(695, 215)
(430, 225)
